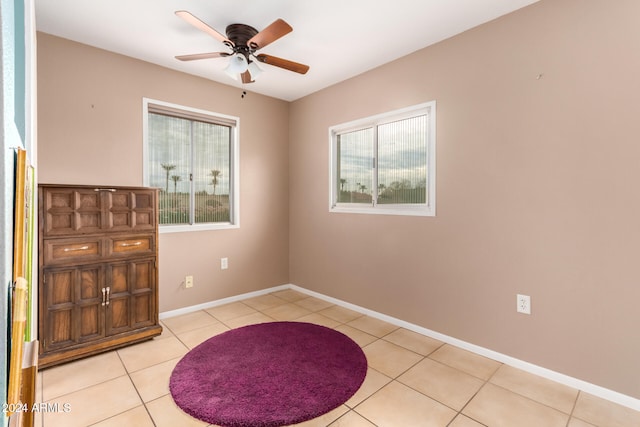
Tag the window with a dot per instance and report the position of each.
(385, 164)
(192, 156)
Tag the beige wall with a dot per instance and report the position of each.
(90, 132)
(537, 191)
(537, 184)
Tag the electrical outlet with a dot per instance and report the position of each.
(524, 304)
(188, 282)
(224, 263)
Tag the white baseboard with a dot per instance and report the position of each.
(604, 393)
(223, 301)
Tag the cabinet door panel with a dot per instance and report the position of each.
(118, 310)
(118, 279)
(130, 210)
(60, 306)
(144, 276)
(59, 328)
(89, 206)
(145, 210)
(59, 286)
(90, 285)
(90, 312)
(91, 320)
(143, 293)
(132, 295)
(144, 310)
(71, 211)
(118, 315)
(73, 311)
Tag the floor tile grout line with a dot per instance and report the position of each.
(570, 414)
(469, 401)
(486, 381)
(423, 355)
(86, 387)
(339, 323)
(450, 367)
(531, 399)
(176, 335)
(153, 400)
(573, 408)
(124, 411)
(178, 338)
(460, 414)
(360, 415)
(426, 395)
(262, 311)
(468, 373)
(164, 322)
(378, 338)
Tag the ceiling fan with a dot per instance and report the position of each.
(244, 41)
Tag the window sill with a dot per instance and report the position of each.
(385, 210)
(197, 227)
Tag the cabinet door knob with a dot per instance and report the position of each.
(113, 190)
(104, 293)
(108, 296)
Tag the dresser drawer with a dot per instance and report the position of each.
(84, 249)
(131, 245)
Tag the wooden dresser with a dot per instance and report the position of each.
(98, 281)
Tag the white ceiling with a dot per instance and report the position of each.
(338, 39)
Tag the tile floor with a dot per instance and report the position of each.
(412, 380)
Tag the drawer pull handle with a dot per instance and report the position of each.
(104, 293)
(113, 190)
(81, 248)
(126, 245)
(108, 292)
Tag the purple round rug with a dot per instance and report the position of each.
(268, 375)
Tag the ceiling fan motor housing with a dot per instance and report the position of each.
(240, 34)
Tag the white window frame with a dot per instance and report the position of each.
(422, 209)
(234, 192)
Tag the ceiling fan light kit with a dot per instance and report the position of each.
(237, 65)
(244, 41)
(254, 70)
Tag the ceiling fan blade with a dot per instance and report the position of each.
(283, 63)
(202, 56)
(202, 26)
(246, 77)
(273, 32)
